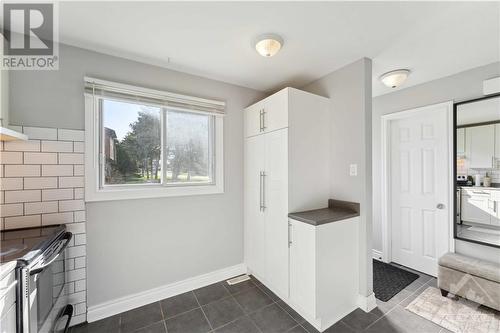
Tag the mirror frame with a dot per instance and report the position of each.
(455, 187)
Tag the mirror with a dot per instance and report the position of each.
(477, 170)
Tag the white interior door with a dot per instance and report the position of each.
(276, 211)
(254, 216)
(419, 179)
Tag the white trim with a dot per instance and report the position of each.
(367, 303)
(385, 132)
(93, 190)
(377, 255)
(119, 305)
(153, 93)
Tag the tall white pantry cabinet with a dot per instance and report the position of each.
(287, 169)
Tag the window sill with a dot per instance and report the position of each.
(127, 193)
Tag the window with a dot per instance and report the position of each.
(146, 143)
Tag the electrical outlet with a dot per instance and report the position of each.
(353, 170)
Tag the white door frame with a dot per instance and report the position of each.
(386, 181)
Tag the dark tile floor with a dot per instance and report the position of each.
(250, 307)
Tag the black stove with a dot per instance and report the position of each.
(24, 245)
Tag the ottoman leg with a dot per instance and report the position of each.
(444, 293)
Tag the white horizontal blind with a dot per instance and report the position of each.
(97, 87)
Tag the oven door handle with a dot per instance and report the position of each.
(66, 238)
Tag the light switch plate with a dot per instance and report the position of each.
(353, 170)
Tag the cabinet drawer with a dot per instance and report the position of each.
(476, 192)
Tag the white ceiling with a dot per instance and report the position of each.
(433, 39)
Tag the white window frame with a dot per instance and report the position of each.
(94, 191)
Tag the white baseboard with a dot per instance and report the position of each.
(367, 303)
(119, 305)
(377, 254)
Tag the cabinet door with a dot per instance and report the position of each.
(253, 120)
(480, 142)
(303, 266)
(494, 207)
(276, 111)
(497, 142)
(475, 207)
(253, 215)
(461, 141)
(276, 211)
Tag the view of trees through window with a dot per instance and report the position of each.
(132, 145)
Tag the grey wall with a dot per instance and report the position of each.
(350, 91)
(462, 86)
(136, 245)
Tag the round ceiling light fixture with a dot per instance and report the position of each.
(395, 78)
(268, 45)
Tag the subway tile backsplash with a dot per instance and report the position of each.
(42, 183)
(493, 173)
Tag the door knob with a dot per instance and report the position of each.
(440, 206)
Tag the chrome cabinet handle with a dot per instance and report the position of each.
(440, 206)
(264, 190)
(261, 120)
(260, 191)
(264, 119)
(289, 234)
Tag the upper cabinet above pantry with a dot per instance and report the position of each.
(267, 115)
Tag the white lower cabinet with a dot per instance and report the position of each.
(303, 267)
(323, 270)
(8, 302)
(480, 206)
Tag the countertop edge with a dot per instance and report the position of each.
(339, 211)
(322, 222)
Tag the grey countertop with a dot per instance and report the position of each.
(336, 211)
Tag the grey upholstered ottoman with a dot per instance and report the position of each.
(473, 279)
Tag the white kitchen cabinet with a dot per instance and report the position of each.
(253, 119)
(497, 142)
(303, 266)
(324, 270)
(475, 206)
(494, 207)
(254, 231)
(286, 169)
(266, 206)
(275, 205)
(480, 146)
(8, 298)
(461, 141)
(267, 115)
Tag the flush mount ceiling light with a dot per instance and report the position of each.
(395, 78)
(268, 45)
